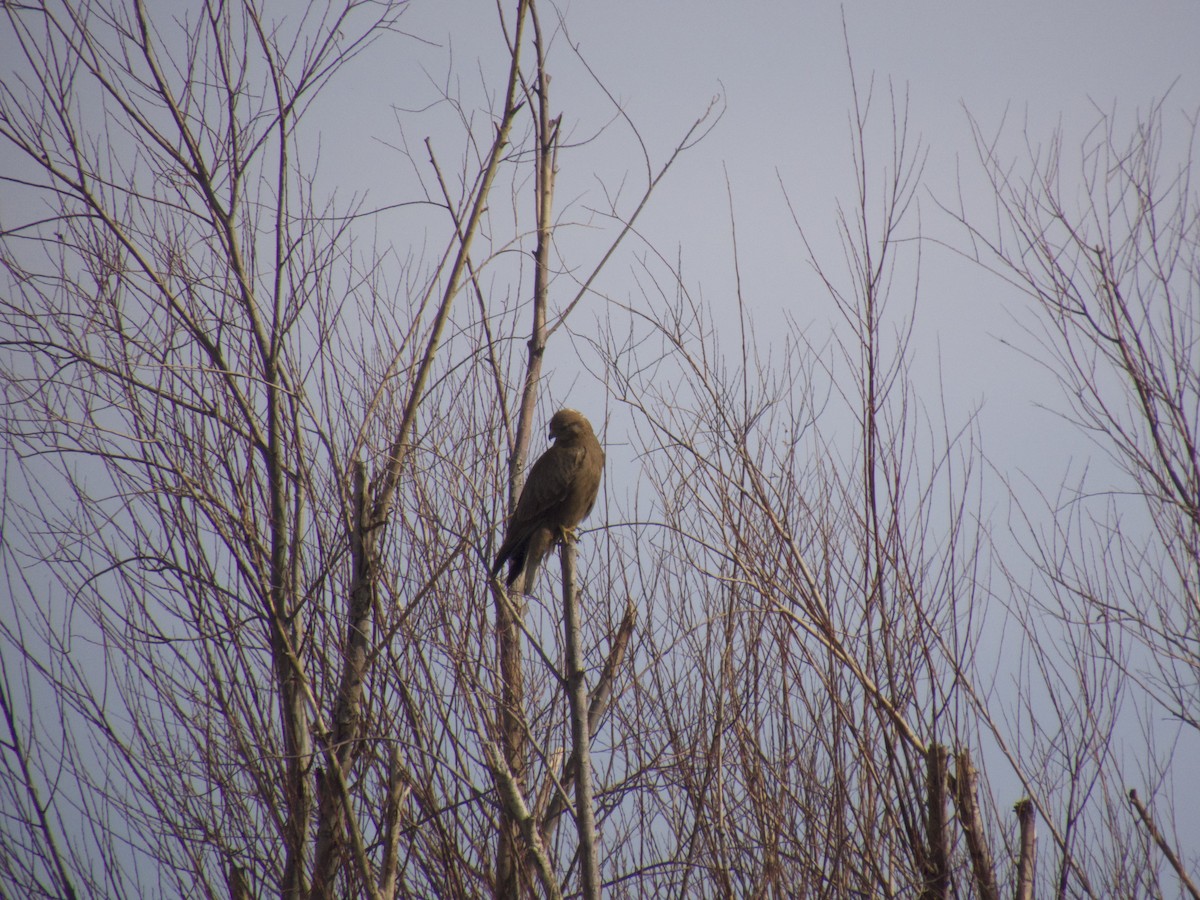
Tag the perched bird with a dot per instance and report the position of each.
(558, 494)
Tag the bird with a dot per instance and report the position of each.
(559, 493)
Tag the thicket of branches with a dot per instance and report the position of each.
(256, 466)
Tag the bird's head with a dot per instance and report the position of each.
(568, 425)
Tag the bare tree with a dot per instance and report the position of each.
(251, 469)
(1107, 247)
(256, 460)
(822, 565)
(159, 370)
(821, 592)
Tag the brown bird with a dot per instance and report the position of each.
(559, 492)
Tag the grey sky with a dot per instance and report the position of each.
(1020, 69)
(783, 73)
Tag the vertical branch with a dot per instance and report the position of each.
(235, 879)
(585, 818)
(514, 804)
(508, 625)
(546, 159)
(332, 810)
(965, 790)
(512, 739)
(596, 708)
(398, 791)
(287, 623)
(936, 865)
(1027, 860)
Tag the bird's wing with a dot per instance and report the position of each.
(546, 489)
(548, 485)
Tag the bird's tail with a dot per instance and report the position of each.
(515, 557)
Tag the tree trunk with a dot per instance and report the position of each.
(1026, 861)
(585, 817)
(972, 825)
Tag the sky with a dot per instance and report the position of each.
(782, 71)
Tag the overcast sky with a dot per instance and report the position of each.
(783, 73)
